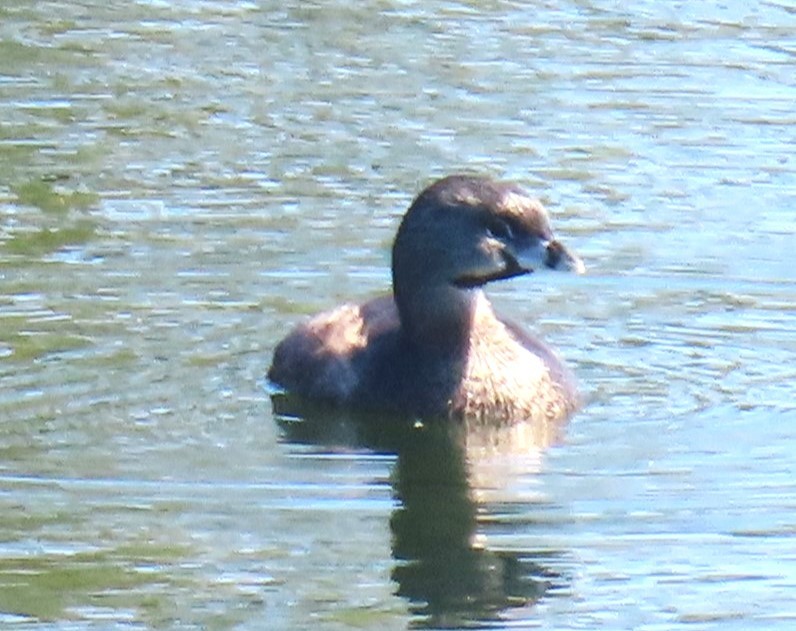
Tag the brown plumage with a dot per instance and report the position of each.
(436, 347)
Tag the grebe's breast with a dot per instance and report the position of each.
(509, 376)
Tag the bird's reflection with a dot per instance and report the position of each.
(443, 567)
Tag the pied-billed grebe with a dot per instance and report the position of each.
(435, 347)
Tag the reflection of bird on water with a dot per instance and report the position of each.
(444, 567)
(436, 347)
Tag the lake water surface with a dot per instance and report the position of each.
(181, 182)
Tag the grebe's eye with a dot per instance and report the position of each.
(498, 228)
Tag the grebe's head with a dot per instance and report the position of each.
(465, 231)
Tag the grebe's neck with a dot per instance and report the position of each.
(440, 318)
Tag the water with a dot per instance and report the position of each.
(181, 182)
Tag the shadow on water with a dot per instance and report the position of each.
(443, 566)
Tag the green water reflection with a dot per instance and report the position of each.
(181, 182)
